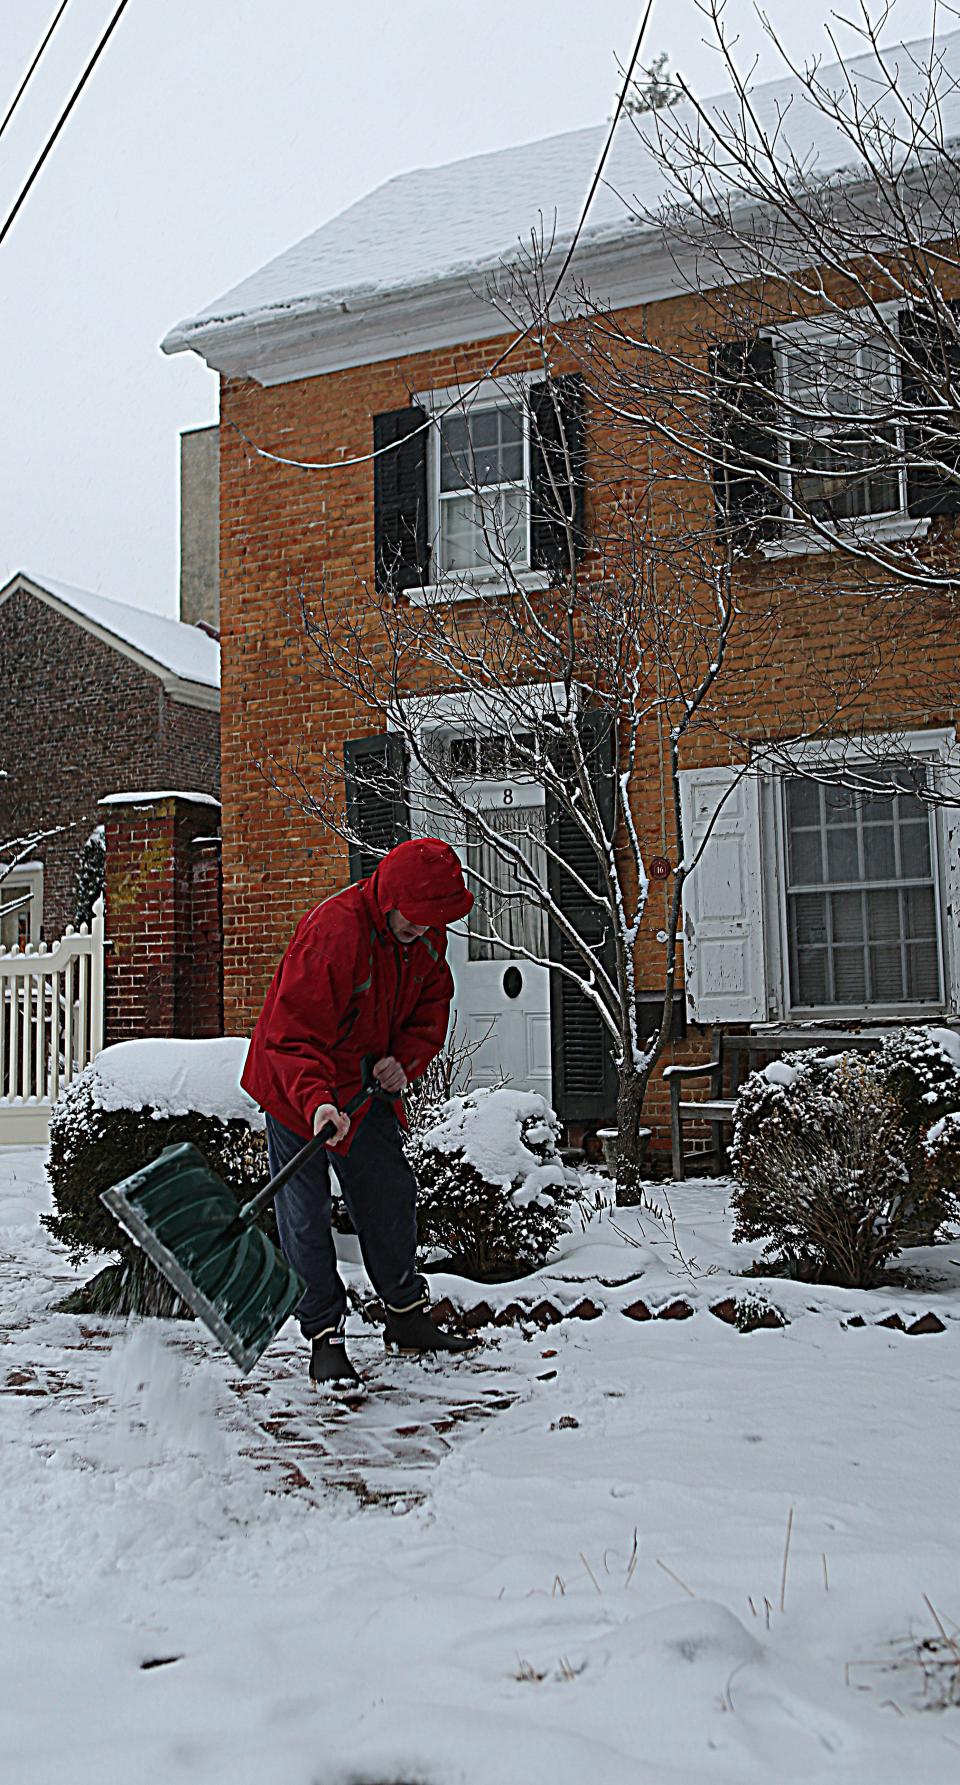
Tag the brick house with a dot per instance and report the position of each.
(353, 339)
(96, 697)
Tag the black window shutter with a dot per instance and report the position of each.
(557, 457)
(929, 372)
(375, 775)
(401, 543)
(584, 1073)
(744, 437)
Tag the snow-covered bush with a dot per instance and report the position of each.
(494, 1192)
(135, 1099)
(834, 1166)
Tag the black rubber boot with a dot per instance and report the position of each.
(330, 1368)
(410, 1332)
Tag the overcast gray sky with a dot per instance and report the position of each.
(212, 134)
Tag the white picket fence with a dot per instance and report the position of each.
(51, 1025)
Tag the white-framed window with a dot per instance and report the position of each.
(817, 901)
(480, 487)
(861, 884)
(841, 439)
(21, 905)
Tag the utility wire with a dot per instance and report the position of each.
(64, 115)
(366, 458)
(15, 101)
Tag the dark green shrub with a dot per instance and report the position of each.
(92, 1147)
(494, 1193)
(834, 1169)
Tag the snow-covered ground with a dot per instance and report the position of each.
(563, 1559)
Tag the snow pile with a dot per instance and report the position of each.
(495, 1132)
(174, 1078)
(948, 1041)
(779, 1073)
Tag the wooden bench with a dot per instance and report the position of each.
(737, 1056)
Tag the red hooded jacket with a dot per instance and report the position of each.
(346, 987)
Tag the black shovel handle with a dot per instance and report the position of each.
(256, 1205)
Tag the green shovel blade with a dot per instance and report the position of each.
(184, 1218)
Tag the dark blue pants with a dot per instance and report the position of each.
(380, 1192)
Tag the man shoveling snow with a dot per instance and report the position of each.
(365, 975)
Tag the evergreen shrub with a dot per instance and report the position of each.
(92, 1147)
(836, 1168)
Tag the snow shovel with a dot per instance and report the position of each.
(229, 1273)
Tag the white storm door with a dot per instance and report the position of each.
(502, 999)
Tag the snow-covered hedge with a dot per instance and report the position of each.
(494, 1192)
(844, 1159)
(135, 1099)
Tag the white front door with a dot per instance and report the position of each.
(502, 1000)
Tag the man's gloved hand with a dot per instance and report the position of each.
(390, 1075)
(328, 1112)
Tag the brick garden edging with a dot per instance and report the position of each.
(747, 1315)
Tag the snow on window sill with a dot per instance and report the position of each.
(886, 530)
(460, 587)
(847, 1017)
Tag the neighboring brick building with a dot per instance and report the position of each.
(349, 340)
(96, 697)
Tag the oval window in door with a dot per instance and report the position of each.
(513, 982)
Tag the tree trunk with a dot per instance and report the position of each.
(631, 1135)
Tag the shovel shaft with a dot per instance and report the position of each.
(258, 1203)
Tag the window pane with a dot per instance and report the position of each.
(843, 861)
(847, 913)
(883, 915)
(915, 849)
(806, 858)
(812, 976)
(849, 976)
(841, 805)
(923, 971)
(921, 913)
(454, 453)
(803, 803)
(886, 976)
(879, 855)
(809, 917)
(463, 756)
(493, 757)
(512, 540)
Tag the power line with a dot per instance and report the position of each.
(367, 458)
(15, 101)
(64, 115)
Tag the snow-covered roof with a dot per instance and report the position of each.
(439, 225)
(168, 647)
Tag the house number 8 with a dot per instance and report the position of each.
(508, 796)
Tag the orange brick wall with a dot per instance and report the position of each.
(284, 529)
